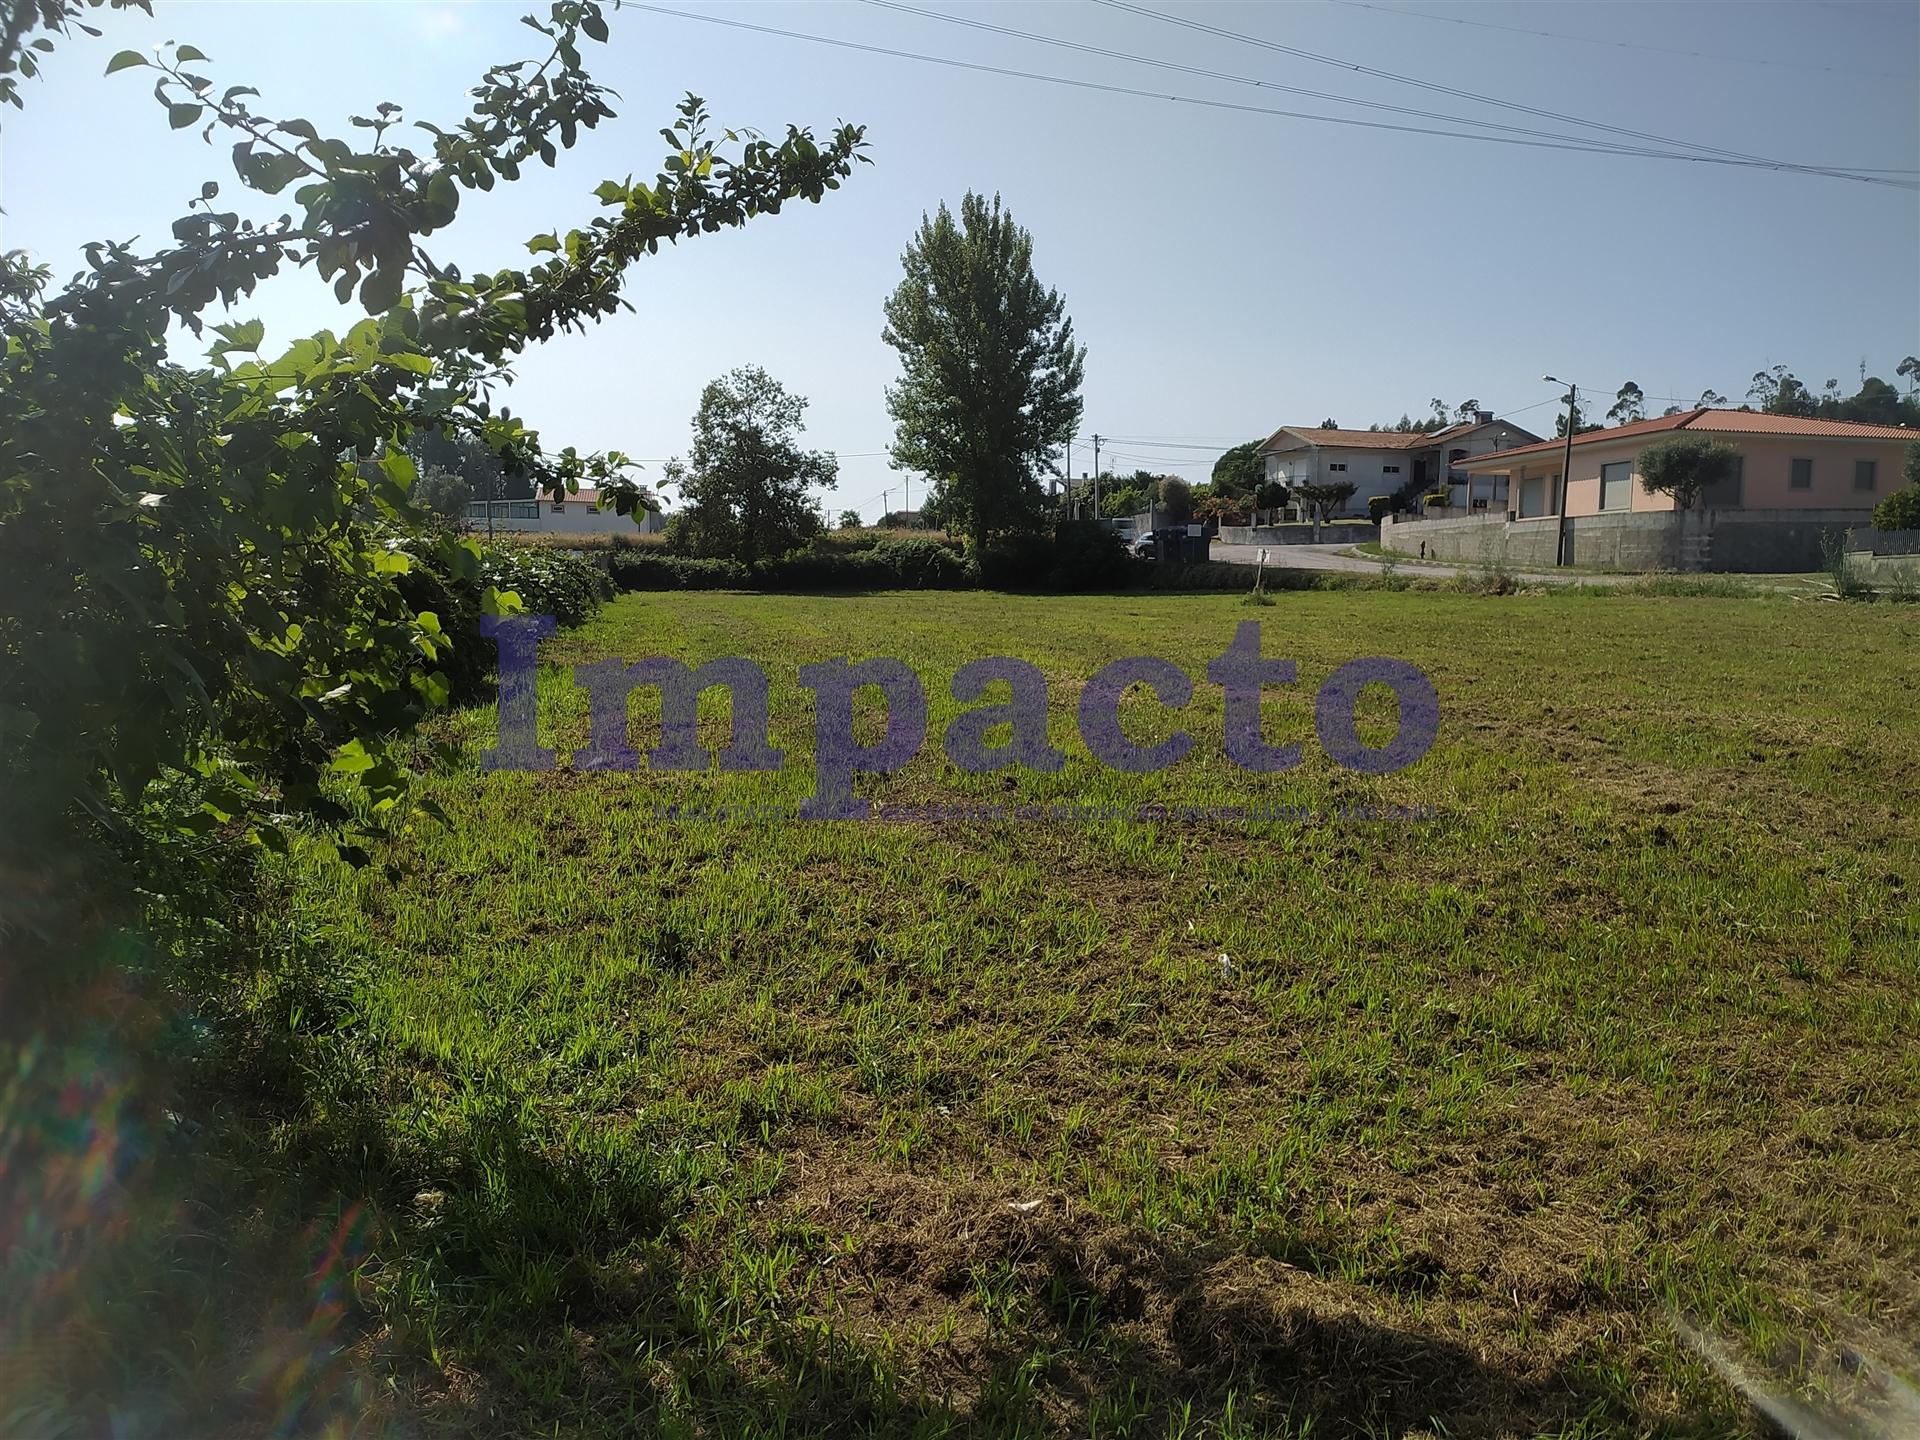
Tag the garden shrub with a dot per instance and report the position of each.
(548, 582)
(656, 570)
(1899, 511)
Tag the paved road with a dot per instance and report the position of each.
(1335, 557)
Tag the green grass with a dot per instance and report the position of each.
(757, 1127)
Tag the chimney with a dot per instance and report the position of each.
(1483, 417)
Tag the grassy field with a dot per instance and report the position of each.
(1185, 1127)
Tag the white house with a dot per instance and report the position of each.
(576, 514)
(1382, 462)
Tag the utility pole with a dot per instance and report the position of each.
(1096, 477)
(1566, 470)
(907, 507)
(1066, 474)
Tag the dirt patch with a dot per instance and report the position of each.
(1121, 1309)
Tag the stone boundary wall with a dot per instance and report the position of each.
(1334, 532)
(1757, 541)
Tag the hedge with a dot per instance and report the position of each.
(1079, 555)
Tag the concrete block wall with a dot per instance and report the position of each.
(1762, 541)
(1886, 571)
(1335, 532)
(1768, 541)
(1473, 540)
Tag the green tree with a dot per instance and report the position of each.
(1686, 466)
(469, 457)
(1467, 410)
(1711, 399)
(199, 576)
(1877, 403)
(850, 520)
(1175, 500)
(1629, 404)
(1901, 509)
(1237, 473)
(1581, 425)
(1222, 509)
(441, 492)
(744, 485)
(1909, 371)
(1322, 500)
(1777, 392)
(990, 383)
(1123, 500)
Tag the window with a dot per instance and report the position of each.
(1616, 485)
(559, 506)
(1389, 469)
(1338, 465)
(1802, 476)
(1865, 472)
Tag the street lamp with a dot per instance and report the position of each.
(1561, 555)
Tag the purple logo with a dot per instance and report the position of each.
(1241, 672)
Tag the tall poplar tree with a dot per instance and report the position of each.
(990, 388)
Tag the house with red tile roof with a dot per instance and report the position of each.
(1786, 463)
(1798, 486)
(1387, 462)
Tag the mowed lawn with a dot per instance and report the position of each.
(1336, 1126)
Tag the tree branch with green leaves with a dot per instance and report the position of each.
(200, 565)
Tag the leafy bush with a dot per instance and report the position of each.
(922, 564)
(1379, 507)
(1833, 559)
(658, 570)
(1087, 556)
(1223, 509)
(1899, 511)
(1436, 500)
(1018, 562)
(1080, 555)
(548, 582)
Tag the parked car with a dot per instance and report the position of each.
(1171, 543)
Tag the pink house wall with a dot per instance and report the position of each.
(1765, 482)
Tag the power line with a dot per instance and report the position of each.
(1620, 44)
(1144, 460)
(1727, 156)
(1597, 148)
(1137, 443)
(1085, 49)
(1225, 440)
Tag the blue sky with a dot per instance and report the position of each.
(1229, 272)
